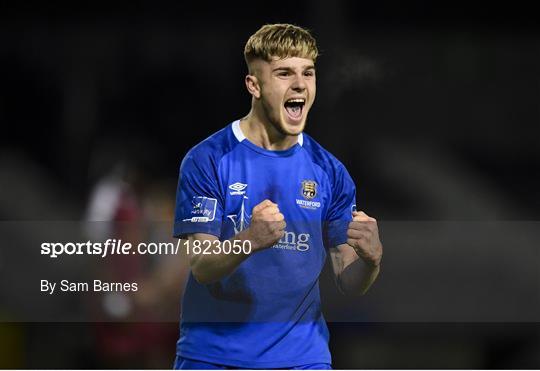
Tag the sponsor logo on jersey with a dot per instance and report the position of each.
(293, 241)
(289, 241)
(203, 209)
(240, 220)
(237, 189)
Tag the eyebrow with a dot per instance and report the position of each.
(308, 67)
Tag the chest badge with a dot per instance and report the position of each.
(309, 192)
(309, 189)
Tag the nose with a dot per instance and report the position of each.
(299, 83)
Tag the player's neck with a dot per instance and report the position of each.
(263, 134)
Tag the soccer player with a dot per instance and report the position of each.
(282, 202)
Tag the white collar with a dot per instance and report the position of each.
(240, 135)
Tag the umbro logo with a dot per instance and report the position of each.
(237, 189)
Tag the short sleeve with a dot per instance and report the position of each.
(343, 203)
(199, 203)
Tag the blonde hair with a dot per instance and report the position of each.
(280, 40)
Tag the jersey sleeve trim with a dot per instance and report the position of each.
(182, 228)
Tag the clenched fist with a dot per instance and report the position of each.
(363, 236)
(267, 225)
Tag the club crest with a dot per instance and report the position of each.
(309, 189)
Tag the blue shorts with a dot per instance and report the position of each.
(181, 363)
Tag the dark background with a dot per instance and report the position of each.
(433, 108)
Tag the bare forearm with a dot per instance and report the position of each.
(210, 268)
(357, 277)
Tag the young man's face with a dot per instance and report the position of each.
(286, 92)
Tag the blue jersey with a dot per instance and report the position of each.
(267, 313)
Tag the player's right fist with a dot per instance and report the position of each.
(267, 225)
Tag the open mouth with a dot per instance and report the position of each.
(294, 107)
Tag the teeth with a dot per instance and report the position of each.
(299, 100)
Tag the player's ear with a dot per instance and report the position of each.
(252, 85)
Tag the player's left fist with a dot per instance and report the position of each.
(363, 237)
